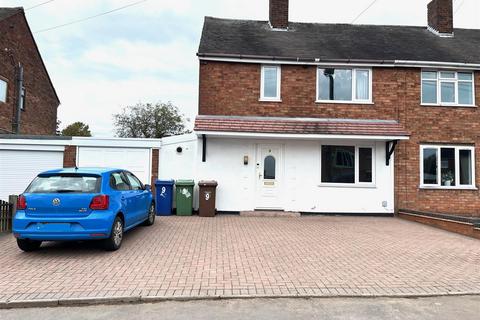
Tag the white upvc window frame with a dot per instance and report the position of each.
(357, 183)
(354, 85)
(262, 83)
(438, 185)
(6, 90)
(439, 80)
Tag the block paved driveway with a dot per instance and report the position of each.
(240, 256)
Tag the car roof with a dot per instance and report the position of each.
(83, 170)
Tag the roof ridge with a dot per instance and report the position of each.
(335, 23)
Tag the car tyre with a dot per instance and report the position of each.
(114, 242)
(151, 216)
(28, 245)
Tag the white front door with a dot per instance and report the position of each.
(269, 176)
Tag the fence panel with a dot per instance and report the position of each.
(6, 213)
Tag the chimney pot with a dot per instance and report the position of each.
(440, 17)
(279, 14)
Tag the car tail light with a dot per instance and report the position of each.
(21, 202)
(100, 202)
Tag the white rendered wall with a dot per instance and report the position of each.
(302, 190)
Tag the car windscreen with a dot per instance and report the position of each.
(65, 183)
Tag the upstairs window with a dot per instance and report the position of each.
(270, 83)
(3, 90)
(448, 88)
(344, 85)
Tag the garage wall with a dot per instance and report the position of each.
(19, 167)
(136, 160)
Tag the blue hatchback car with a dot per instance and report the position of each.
(82, 204)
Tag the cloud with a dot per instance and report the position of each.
(147, 52)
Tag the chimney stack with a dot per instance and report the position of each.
(279, 14)
(440, 17)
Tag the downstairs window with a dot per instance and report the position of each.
(447, 166)
(347, 164)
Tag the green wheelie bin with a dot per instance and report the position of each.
(184, 197)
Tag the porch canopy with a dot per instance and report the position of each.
(299, 128)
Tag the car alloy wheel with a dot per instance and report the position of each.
(151, 214)
(117, 233)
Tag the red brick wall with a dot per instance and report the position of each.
(155, 160)
(279, 13)
(440, 15)
(234, 89)
(40, 115)
(70, 157)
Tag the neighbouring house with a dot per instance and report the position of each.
(340, 118)
(28, 101)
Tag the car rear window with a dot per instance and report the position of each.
(65, 183)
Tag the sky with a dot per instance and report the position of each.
(146, 53)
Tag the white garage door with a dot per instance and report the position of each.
(19, 167)
(134, 160)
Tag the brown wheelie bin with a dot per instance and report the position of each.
(207, 198)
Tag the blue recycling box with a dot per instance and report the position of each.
(164, 197)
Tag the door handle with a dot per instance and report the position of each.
(260, 176)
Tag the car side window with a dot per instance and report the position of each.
(134, 182)
(118, 182)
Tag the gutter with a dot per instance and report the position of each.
(321, 61)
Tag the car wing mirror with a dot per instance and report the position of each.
(148, 187)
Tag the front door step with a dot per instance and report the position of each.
(283, 214)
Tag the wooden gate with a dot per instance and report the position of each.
(6, 213)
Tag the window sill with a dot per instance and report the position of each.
(471, 188)
(448, 105)
(344, 102)
(347, 185)
(269, 100)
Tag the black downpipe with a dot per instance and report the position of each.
(204, 148)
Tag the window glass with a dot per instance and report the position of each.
(65, 184)
(3, 91)
(447, 92)
(338, 164)
(269, 167)
(430, 166)
(447, 161)
(134, 182)
(335, 84)
(447, 75)
(270, 78)
(465, 76)
(119, 182)
(465, 167)
(363, 85)
(429, 91)
(465, 92)
(429, 75)
(365, 165)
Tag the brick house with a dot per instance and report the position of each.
(36, 98)
(340, 118)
